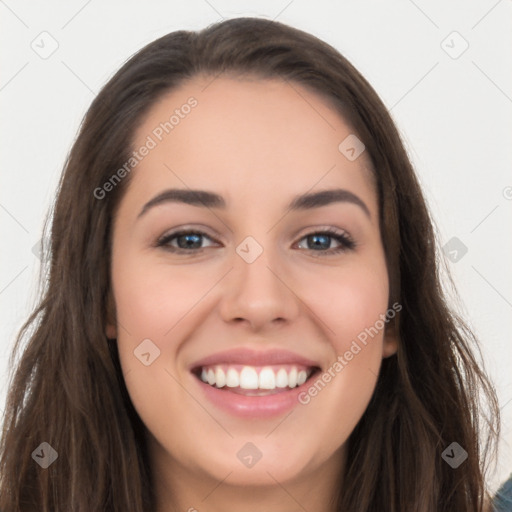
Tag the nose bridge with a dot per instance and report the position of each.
(254, 263)
(257, 290)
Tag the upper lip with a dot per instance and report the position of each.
(253, 357)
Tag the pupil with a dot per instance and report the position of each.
(316, 237)
(188, 237)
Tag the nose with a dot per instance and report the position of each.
(259, 293)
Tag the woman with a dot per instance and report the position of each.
(265, 370)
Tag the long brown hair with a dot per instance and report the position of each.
(67, 388)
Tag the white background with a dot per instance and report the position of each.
(454, 114)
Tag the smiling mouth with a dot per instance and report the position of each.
(255, 380)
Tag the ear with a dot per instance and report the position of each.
(390, 342)
(111, 323)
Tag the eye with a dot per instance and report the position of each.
(187, 240)
(190, 241)
(322, 240)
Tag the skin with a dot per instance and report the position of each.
(257, 143)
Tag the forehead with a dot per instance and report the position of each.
(259, 136)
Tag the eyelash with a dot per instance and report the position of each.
(345, 241)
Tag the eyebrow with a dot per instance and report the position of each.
(203, 198)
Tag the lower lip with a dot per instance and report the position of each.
(253, 406)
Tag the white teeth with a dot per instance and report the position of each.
(267, 379)
(232, 378)
(301, 377)
(281, 378)
(248, 378)
(292, 377)
(220, 378)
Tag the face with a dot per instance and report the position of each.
(249, 295)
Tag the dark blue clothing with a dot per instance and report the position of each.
(503, 500)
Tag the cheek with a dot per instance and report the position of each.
(351, 308)
(151, 298)
(351, 303)
(162, 303)
(150, 301)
